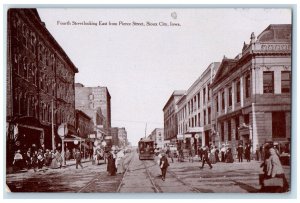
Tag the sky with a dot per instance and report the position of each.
(141, 65)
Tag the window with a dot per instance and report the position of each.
(238, 92)
(217, 104)
(246, 119)
(199, 100)
(268, 80)
(204, 115)
(285, 81)
(222, 132)
(278, 125)
(223, 100)
(208, 114)
(208, 92)
(248, 87)
(237, 125)
(230, 96)
(229, 130)
(204, 95)
(199, 119)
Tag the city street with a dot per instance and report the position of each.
(143, 176)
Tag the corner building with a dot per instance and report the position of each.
(40, 84)
(252, 92)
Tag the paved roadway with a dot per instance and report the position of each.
(143, 176)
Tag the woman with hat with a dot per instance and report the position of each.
(163, 163)
(18, 160)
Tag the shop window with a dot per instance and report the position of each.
(278, 125)
(222, 132)
(285, 81)
(268, 81)
(229, 130)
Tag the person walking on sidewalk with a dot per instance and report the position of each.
(78, 159)
(163, 163)
(205, 158)
(240, 152)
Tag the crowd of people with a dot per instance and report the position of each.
(37, 159)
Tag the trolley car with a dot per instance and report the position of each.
(146, 149)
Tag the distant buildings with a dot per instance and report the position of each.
(40, 84)
(170, 116)
(242, 100)
(157, 135)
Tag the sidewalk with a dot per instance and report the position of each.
(69, 163)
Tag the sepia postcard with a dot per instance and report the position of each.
(149, 100)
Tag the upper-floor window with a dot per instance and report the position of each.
(208, 92)
(248, 87)
(223, 100)
(238, 91)
(268, 81)
(217, 104)
(285, 81)
(204, 95)
(230, 96)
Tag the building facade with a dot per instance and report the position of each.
(170, 116)
(122, 137)
(95, 102)
(157, 135)
(252, 92)
(195, 111)
(40, 84)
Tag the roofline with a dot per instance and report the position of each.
(175, 93)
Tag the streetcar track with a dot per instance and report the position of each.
(121, 183)
(181, 181)
(157, 189)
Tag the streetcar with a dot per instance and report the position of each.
(146, 149)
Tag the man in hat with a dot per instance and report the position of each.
(205, 158)
(163, 163)
(240, 151)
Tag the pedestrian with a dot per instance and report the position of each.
(48, 158)
(217, 154)
(68, 154)
(111, 166)
(257, 153)
(120, 162)
(28, 159)
(274, 171)
(163, 163)
(247, 152)
(169, 153)
(40, 157)
(205, 158)
(240, 151)
(223, 151)
(229, 156)
(212, 156)
(78, 158)
(34, 160)
(18, 160)
(200, 152)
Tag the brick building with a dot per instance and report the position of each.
(157, 135)
(195, 110)
(252, 92)
(40, 83)
(170, 116)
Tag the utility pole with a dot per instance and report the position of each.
(145, 130)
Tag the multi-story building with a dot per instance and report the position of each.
(157, 135)
(252, 92)
(170, 117)
(40, 84)
(113, 137)
(95, 102)
(195, 111)
(122, 137)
